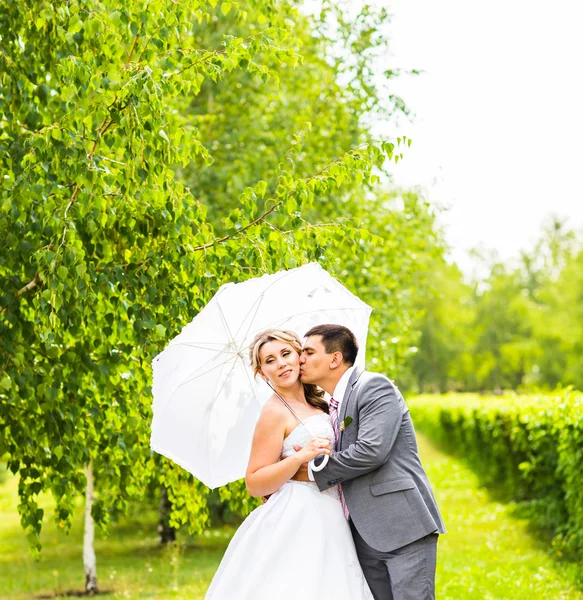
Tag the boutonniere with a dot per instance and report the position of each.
(345, 423)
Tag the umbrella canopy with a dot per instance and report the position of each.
(206, 400)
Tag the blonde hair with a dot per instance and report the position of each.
(314, 396)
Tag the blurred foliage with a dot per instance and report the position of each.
(520, 327)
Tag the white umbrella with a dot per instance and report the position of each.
(206, 400)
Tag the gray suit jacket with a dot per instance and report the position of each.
(385, 487)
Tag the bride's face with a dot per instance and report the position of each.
(280, 363)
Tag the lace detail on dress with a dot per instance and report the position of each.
(316, 426)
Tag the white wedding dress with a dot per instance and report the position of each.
(296, 546)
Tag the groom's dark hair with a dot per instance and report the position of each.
(337, 338)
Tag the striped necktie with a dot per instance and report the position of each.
(334, 421)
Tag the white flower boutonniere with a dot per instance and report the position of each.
(345, 423)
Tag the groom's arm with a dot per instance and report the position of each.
(380, 415)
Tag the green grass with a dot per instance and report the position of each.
(130, 562)
(487, 554)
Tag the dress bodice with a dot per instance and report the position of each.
(316, 426)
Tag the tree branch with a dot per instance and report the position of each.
(276, 205)
(204, 59)
(105, 125)
(147, 44)
(219, 50)
(30, 285)
(236, 233)
(132, 49)
(4, 367)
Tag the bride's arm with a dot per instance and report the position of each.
(265, 472)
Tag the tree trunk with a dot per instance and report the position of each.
(89, 560)
(166, 532)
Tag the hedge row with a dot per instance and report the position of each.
(530, 446)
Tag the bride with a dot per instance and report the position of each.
(298, 544)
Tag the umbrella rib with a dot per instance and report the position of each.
(201, 367)
(221, 350)
(206, 431)
(196, 373)
(367, 308)
(193, 376)
(283, 276)
(251, 383)
(210, 406)
(190, 379)
(232, 339)
(259, 300)
(209, 343)
(257, 304)
(223, 385)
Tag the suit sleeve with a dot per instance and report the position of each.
(380, 413)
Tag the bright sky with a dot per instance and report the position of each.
(498, 133)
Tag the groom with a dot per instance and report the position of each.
(384, 490)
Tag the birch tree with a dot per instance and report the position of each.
(107, 253)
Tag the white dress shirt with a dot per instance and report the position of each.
(338, 395)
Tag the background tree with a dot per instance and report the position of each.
(517, 328)
(443, 359)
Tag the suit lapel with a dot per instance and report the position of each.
(346, 400)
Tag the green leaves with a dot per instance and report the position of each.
(519, 327)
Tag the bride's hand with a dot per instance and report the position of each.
(315, 447)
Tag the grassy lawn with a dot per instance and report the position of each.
(130, 562)
(487, 554)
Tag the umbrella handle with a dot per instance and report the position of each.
(324, 462)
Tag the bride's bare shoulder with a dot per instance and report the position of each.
(274, 409)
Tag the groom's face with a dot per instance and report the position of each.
(314, 361)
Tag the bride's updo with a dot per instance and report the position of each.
(314, 395)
